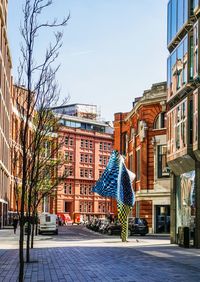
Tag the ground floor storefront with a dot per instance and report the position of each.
(184, 209)
(155, 208)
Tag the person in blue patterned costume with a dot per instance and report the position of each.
(116, 182)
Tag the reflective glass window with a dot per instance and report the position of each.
(180, 14)
(177, 16)
(173, 73)
(168, 72)
(185, 59)
(78, 124)
(174, 18)
(169, 22)
(191, 58)
(67, 123)
(185, 10)
(179, 65)
(73, 124)
(196, 3)
(195, 33)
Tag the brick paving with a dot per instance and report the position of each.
(100, 264)
(104, 259)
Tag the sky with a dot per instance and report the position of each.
(112, 50)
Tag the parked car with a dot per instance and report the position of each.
(103, 225)
(48, 223)
(135, 226)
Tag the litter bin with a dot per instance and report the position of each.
(184, 236)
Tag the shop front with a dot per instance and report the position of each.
(185, 205)
(162, 219)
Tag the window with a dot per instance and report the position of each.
(90, 159)
(85, 189)
(91, 145)
(84, 172)
(195, 32)
(177, 127)
(138, 164)
(100, 146)
(69, 141)
(102, 207)
(162, 168)
(68, 188)
(101, 160)
(195, 117)
(131, 162)
(177, 15)
(70, 171)
(65, 188)
(177, 65)
(100, 173)
(81, 172)
(191, 58)
(195, 4)
(160, 121)
(69, 156)
(86, 206)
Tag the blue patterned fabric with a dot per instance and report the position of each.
(115, 181)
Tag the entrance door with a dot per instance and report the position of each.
(162, 219)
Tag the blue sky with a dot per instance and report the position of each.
(112, 49)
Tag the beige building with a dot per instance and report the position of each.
(5, 87)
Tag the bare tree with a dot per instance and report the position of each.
(40, 93)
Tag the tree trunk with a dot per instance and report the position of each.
(21, 249)
(28, 241)
(32, 234)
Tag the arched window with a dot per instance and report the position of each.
(160, 121)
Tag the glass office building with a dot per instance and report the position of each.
(183, 103)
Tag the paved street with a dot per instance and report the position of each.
(78, 254)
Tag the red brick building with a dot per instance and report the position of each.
(86, 145)
(140, 135)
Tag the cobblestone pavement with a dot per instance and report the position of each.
(100, 258)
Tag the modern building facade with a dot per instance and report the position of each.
(5, 88)
(183, 105)
(140, 135)
(86, 144)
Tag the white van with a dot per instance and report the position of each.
(48, 223)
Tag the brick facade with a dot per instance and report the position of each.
(140, 135)
(87, 153)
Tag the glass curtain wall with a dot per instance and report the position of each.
(177, 120)
(177, 17)
(195, 4)
(177, 67)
